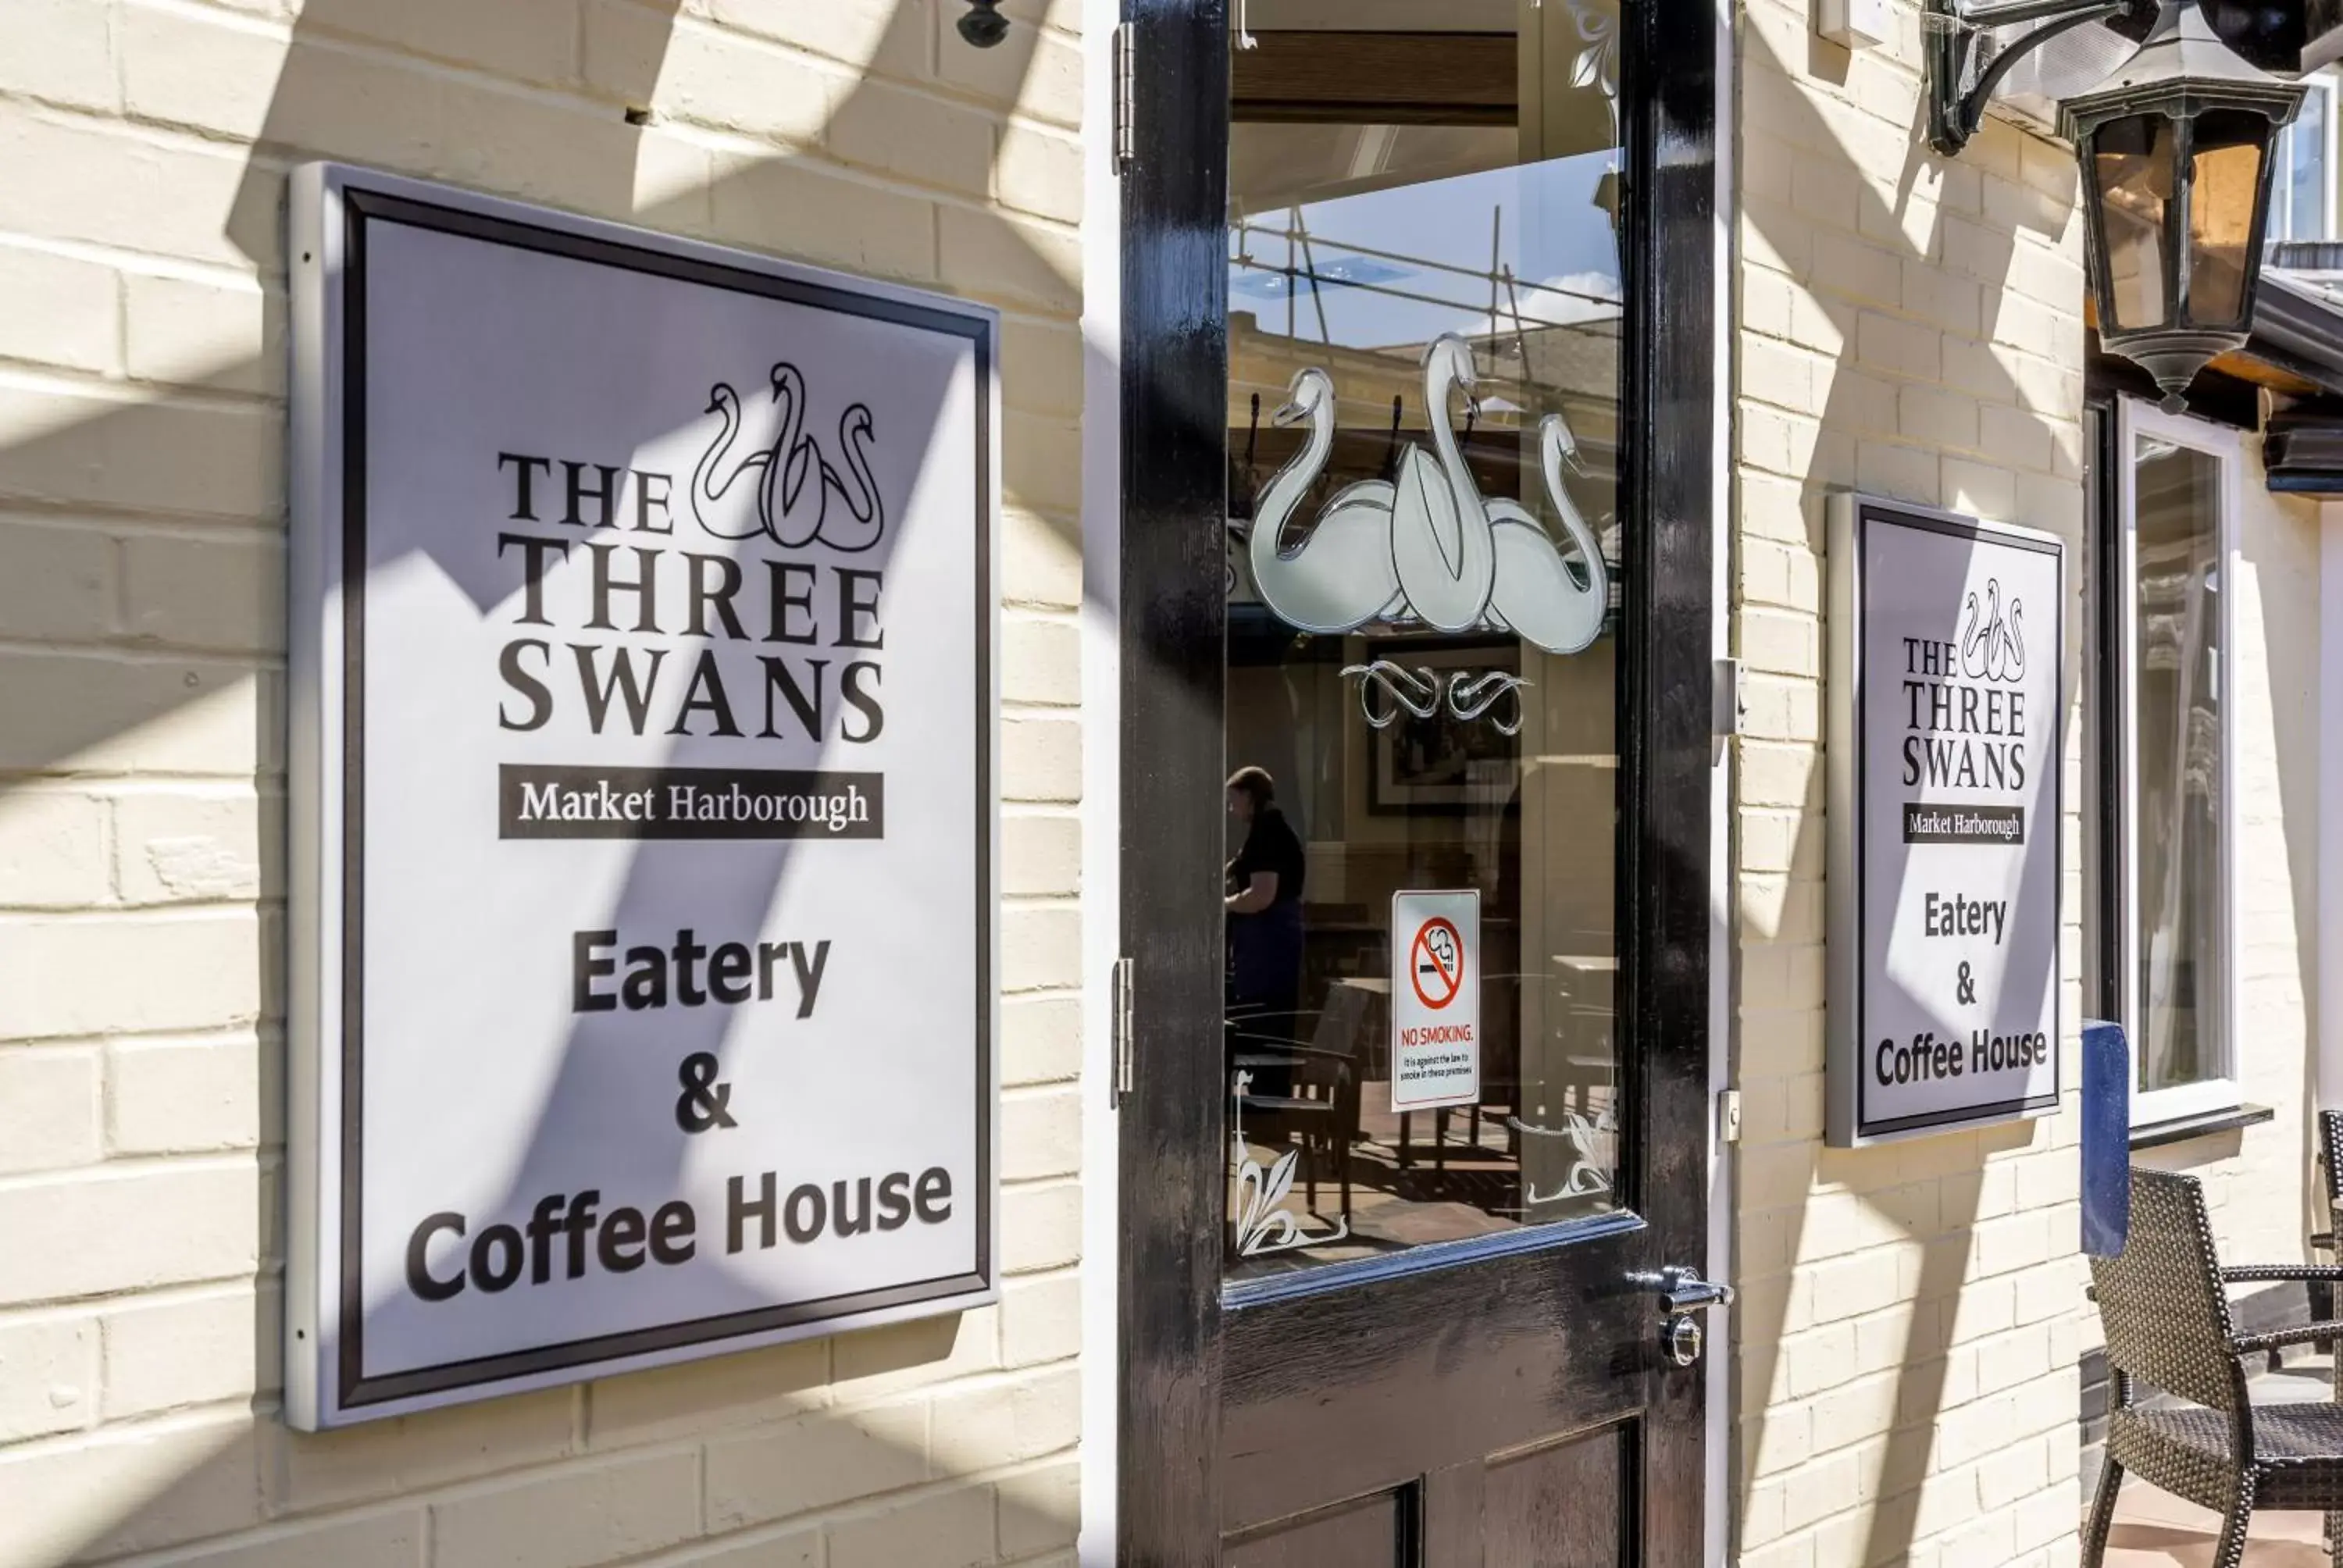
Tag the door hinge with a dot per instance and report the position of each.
(1122, 1034)
(1728, 1116)
(1126, 135)
(1732, 701)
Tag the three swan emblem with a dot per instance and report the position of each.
(1993, 646)
(1425, 543)
(784, 490)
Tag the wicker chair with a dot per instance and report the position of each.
(2167, 1323)
(2330, 1134)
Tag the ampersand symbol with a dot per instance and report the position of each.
(701, 1104)
(1964, 988)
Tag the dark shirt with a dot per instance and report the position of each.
(1271, 846)
(1265, 947)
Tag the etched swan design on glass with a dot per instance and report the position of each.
(1536, 592)
(1440, 536)
(1426, 543)
(1340, 577)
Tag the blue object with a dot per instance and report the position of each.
(2107, 1137)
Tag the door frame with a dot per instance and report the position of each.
(1170, 312)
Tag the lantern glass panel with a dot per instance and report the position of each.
(2225, 190)
(2133, 160)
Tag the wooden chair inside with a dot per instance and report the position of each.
(1314, 1090)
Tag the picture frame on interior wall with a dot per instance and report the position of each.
(2159, 954)
(1442, 721)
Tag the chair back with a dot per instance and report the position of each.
(1342, 1023)
(2166, 1318)
(2330, 1134)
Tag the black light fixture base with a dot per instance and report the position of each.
(2173, 358)
(984, 25)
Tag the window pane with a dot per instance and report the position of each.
(1424, 577)
(2304, 172)
(2179, 945)
(2133, 167)
(2226, 177)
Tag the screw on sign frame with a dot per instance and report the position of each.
(1438, 950)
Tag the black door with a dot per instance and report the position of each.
(1417, 686)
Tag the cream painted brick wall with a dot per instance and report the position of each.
(141, 767)
(1907, 1333)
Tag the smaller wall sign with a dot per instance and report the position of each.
(1945, 811)
(1436, 1000)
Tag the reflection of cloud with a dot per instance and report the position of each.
(1360, 272)
(1567, 300)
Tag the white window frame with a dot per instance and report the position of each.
(2135, 420)
(2281, 213)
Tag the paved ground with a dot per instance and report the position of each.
(2155, 1529)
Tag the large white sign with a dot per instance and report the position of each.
(1945, 686)
(1435, 992)
(644, 813)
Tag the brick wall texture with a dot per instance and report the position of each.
(1910, 1317)
(141, 637)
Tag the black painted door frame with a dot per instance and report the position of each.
(1184, 1355)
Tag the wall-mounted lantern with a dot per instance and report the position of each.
(2176, 173)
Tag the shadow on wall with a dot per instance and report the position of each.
(2282, 562)
(1900, 354)
(182, 467)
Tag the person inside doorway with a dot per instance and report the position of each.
(1264, 897)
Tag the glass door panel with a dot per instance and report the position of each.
(1424, 579)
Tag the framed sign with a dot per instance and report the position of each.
(644, 813)
(1947, 696)
(1436, 1000)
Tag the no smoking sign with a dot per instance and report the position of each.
(1436, 1000)
(1436, 963)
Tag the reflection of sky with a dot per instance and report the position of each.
(1544, 218)
(2305, 145)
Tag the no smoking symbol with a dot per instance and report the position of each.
(1436, 963)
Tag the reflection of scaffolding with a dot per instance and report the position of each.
(1301, 270)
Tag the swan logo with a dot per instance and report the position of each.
(1992, 644)
(779, 486)
(1425, 544)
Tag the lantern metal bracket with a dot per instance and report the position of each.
(1962, 76)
